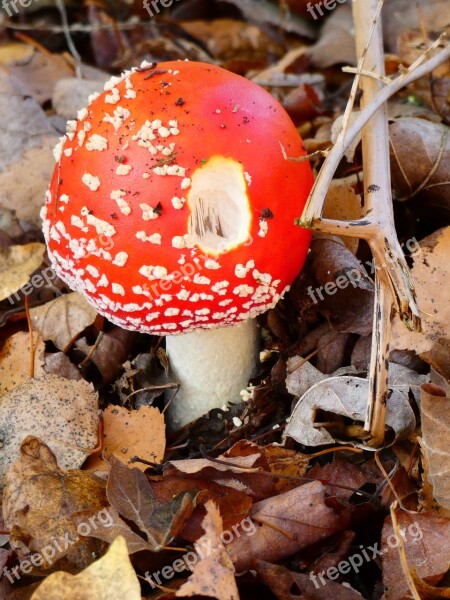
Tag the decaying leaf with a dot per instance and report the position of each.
(287, 585)
(17, 263)
(344, 288)
(132, 433)
(430, 264)
(129, 491)
(26, 144)
(284, 525)
(426, 538)
(63, 319)
(435, 411)
(213, 574)
(62, 412)
(112, 577)
(14, 368)
(347, 397)
(420, 153)
(40, 501)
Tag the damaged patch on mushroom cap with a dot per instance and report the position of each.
(179, 215)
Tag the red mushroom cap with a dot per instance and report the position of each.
(172, 205)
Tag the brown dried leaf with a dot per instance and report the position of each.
(63, 319)
(346, 292)
(435, 411)
(109, 352)
(344, 204)
(129, 433)
(129, 491)
(62, 412)
(426, 539)
(40, 501)
(114, 528)
(420, 159)
(287, 523)
(213, 574)
(240, 468)
(17, 263)
(430, 264)
(288, 585)
(112, 577)
(14, 368)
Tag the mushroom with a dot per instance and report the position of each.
(171, 209)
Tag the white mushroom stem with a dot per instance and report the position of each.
(212, 367)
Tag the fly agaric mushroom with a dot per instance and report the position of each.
(171, 209)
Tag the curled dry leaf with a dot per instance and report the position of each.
(285, 524)
(435, 411)
(430, 265)
(344, 289)
(426, 539)
(62, 412)
(112, 577)
(63, 319)
(420, 153)
(17, 263)
(129, 433)
(347, 397)
(40, 501)
(14, 368)
(213, 574)
(337, 43)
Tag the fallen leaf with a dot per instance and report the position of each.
(344, 204)
(337, 42)
(430, 264)
(63, 319)
(26, 144)
(129, 491)
(71, 94)
(426, 538)
(420, 159)
(112, 577)
(14, 368)
(285, 524)
(213, 574)
(345, 396)
(39, 503)
(114, 528)
(242, 467)
(435, 412)
(129, 433)
(288, 585)
(17, 263)
(109, 351)
(62, 412)
(344, 288)
(59, 364)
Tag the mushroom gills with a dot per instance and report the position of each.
(220, 216)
